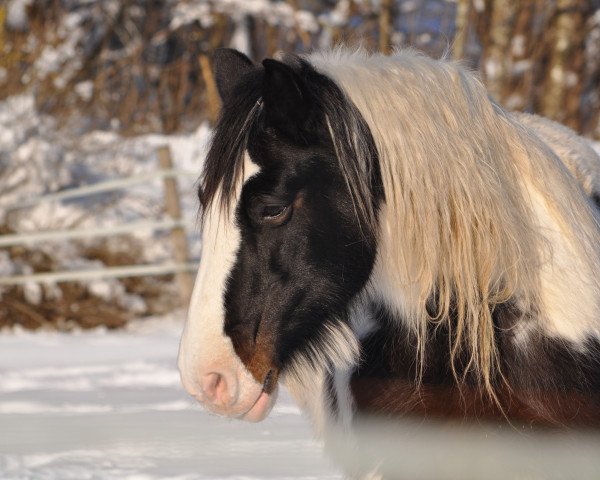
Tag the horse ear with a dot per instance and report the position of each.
(285, 96)
(230, 65)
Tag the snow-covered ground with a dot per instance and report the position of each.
(108, 405)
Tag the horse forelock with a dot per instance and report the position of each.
(224, 164)
(348, 132)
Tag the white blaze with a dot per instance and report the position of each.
(204, 347)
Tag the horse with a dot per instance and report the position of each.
(384, 239)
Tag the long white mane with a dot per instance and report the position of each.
(479, 209)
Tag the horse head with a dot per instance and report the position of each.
(288, 236)
(482, 254)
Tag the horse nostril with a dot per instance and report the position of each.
(215, 389)
(209, 385)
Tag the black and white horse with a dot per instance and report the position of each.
(383, 238)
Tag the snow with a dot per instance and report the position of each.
(16, 14)
(479, 5)
(39, 156)
(33, 293)
(520, 67)
(518, 45)
(108, 405)
(202, 11)
(85, 90)
(492, 68)
(241, 37)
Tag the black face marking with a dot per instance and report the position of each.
(304, 254)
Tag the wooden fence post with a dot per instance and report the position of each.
(184, 279)
(212, 94)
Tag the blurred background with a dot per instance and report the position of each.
(89, 91)
(106, 109)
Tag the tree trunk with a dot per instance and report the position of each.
(524, 53)
(386, 26)
(463, 8)
(564, 78)
(591, 107)
(497, 65)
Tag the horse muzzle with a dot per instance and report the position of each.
(231, 392)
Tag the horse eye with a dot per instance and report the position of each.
(275, 214)
(271, 211)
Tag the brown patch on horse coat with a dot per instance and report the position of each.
(550, 383)
(396, 396)
(258, 359)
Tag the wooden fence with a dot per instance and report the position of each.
(180, 265)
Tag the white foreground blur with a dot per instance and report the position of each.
(109, 405)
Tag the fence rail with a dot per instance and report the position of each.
(101, 273)
(100, 187)
(181, 265)
(58, 235)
